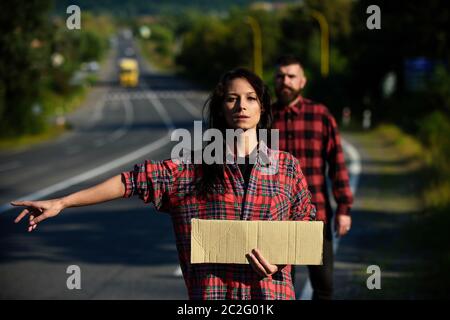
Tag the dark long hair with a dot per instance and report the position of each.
(212, 178)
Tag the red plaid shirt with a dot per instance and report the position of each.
(309, 132)
(277, 190)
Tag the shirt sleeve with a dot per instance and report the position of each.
(302, 208)
(152, 181)
(337, 170)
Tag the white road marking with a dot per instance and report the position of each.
(72, 150)
(160, 94)
(94, 172)
(178, 272)
(98, 112)
(162, 112)
(117, 134)
(129, 115)
(189, 107)
(99, 142)
(154, 100)
(354, 169)
(161, 142)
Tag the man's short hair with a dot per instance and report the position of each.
(288, 59)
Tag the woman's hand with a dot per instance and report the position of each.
(38, 211)
(261, 265)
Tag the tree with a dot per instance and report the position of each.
(23, 54)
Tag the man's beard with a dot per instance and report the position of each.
(286, 98)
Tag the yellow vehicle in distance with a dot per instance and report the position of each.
(129, 72)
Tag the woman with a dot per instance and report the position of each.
(215, 191)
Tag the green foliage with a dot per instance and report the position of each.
(435, 133)
(23, 43)
(163, 37)
(438, 88)
(28, 40)
(208, 50)
(213, 44)
(131, 8)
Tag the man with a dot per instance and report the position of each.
(310, 133)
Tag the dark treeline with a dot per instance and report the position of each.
(133, 8)
(400, 72)
(360, 59)
(39, 57)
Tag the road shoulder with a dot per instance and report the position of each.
(387, 202)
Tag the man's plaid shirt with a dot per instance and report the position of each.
(309, 132)
(277, 190)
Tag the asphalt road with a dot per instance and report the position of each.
(125, 249)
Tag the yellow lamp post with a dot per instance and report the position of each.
(324, 42)
(257, 45)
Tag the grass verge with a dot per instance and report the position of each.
(396, 227)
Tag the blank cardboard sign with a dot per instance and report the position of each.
(280, 242)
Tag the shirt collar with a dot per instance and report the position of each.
(295, 108)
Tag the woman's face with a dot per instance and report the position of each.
(241, 106)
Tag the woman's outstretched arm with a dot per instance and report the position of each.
(38, 211)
